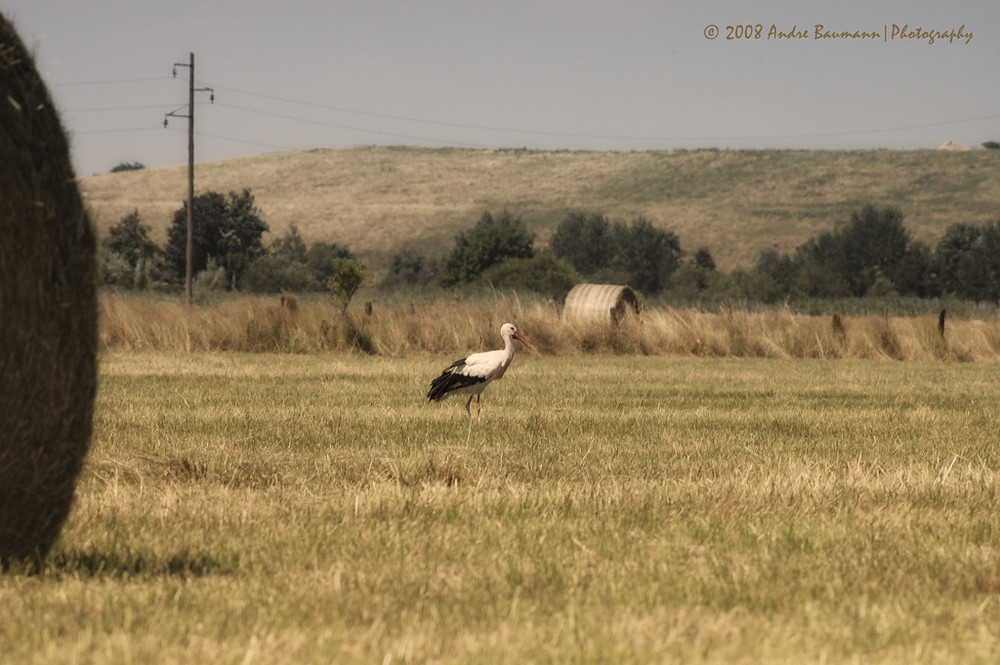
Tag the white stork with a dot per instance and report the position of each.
(470, 376)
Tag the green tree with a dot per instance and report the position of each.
(208, 213)
(130, 240)
(228, 230)
(639, 254)
(771, 278)
(696, 276)
(290, 246)
(990, 260)
(703, 259)
(240, 239)
(647, 255)
(584, 241)
(407, 269)
(819, 269)
(490, 241)
(953, 253)
(346, 280)
(320, 260)
(874, 243)
(918, 274)
(970, 258)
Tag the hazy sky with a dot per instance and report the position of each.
(547, 74)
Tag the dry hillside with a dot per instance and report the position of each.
(379, 200)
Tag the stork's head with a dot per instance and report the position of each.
(510, 331)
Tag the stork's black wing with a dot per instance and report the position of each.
(452, 379)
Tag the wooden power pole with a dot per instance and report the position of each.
(189, 256)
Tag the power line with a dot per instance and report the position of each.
(243, 141)
(440, 123)
(105, 109)
(116, 130)
(627, 137)
(347, 127)
(111, 81)
(463, 126)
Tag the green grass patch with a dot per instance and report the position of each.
(315, 508)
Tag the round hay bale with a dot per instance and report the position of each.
(48, 313)
(601, 303)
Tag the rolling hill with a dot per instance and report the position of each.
(380, 200)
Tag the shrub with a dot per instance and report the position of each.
(491, 241)
(276, 273)
(543, 274)
(346, 280)
(130, 239)
(128, 166)
(320, 259)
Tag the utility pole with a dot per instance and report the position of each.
(189, 274)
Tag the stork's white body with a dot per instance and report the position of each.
(470, 375)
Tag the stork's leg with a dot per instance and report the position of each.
(479, 415)
(468, 408)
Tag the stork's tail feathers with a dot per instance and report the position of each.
(451, 380)
(440, 386)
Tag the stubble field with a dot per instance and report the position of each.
(254, 508)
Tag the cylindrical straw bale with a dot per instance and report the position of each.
(48, 313)
(600, 303)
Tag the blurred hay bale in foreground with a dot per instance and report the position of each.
(48, 313)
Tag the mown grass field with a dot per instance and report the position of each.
(313, 508)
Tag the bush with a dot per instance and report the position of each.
(128, 166)
(320, 259)
(276, 273)
(489, 242)
(543, 274)
(346, 280)
(408, 269)
(113, 269)
(130, 239)
(212, 278)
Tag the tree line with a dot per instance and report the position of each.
(873, 254)
(228, 251)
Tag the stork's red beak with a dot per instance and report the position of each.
(524, 340)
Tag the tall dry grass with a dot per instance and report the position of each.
(252, 324)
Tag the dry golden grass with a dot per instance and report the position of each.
(264, 325)
(378, 201)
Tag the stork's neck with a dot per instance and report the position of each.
(508, 348)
